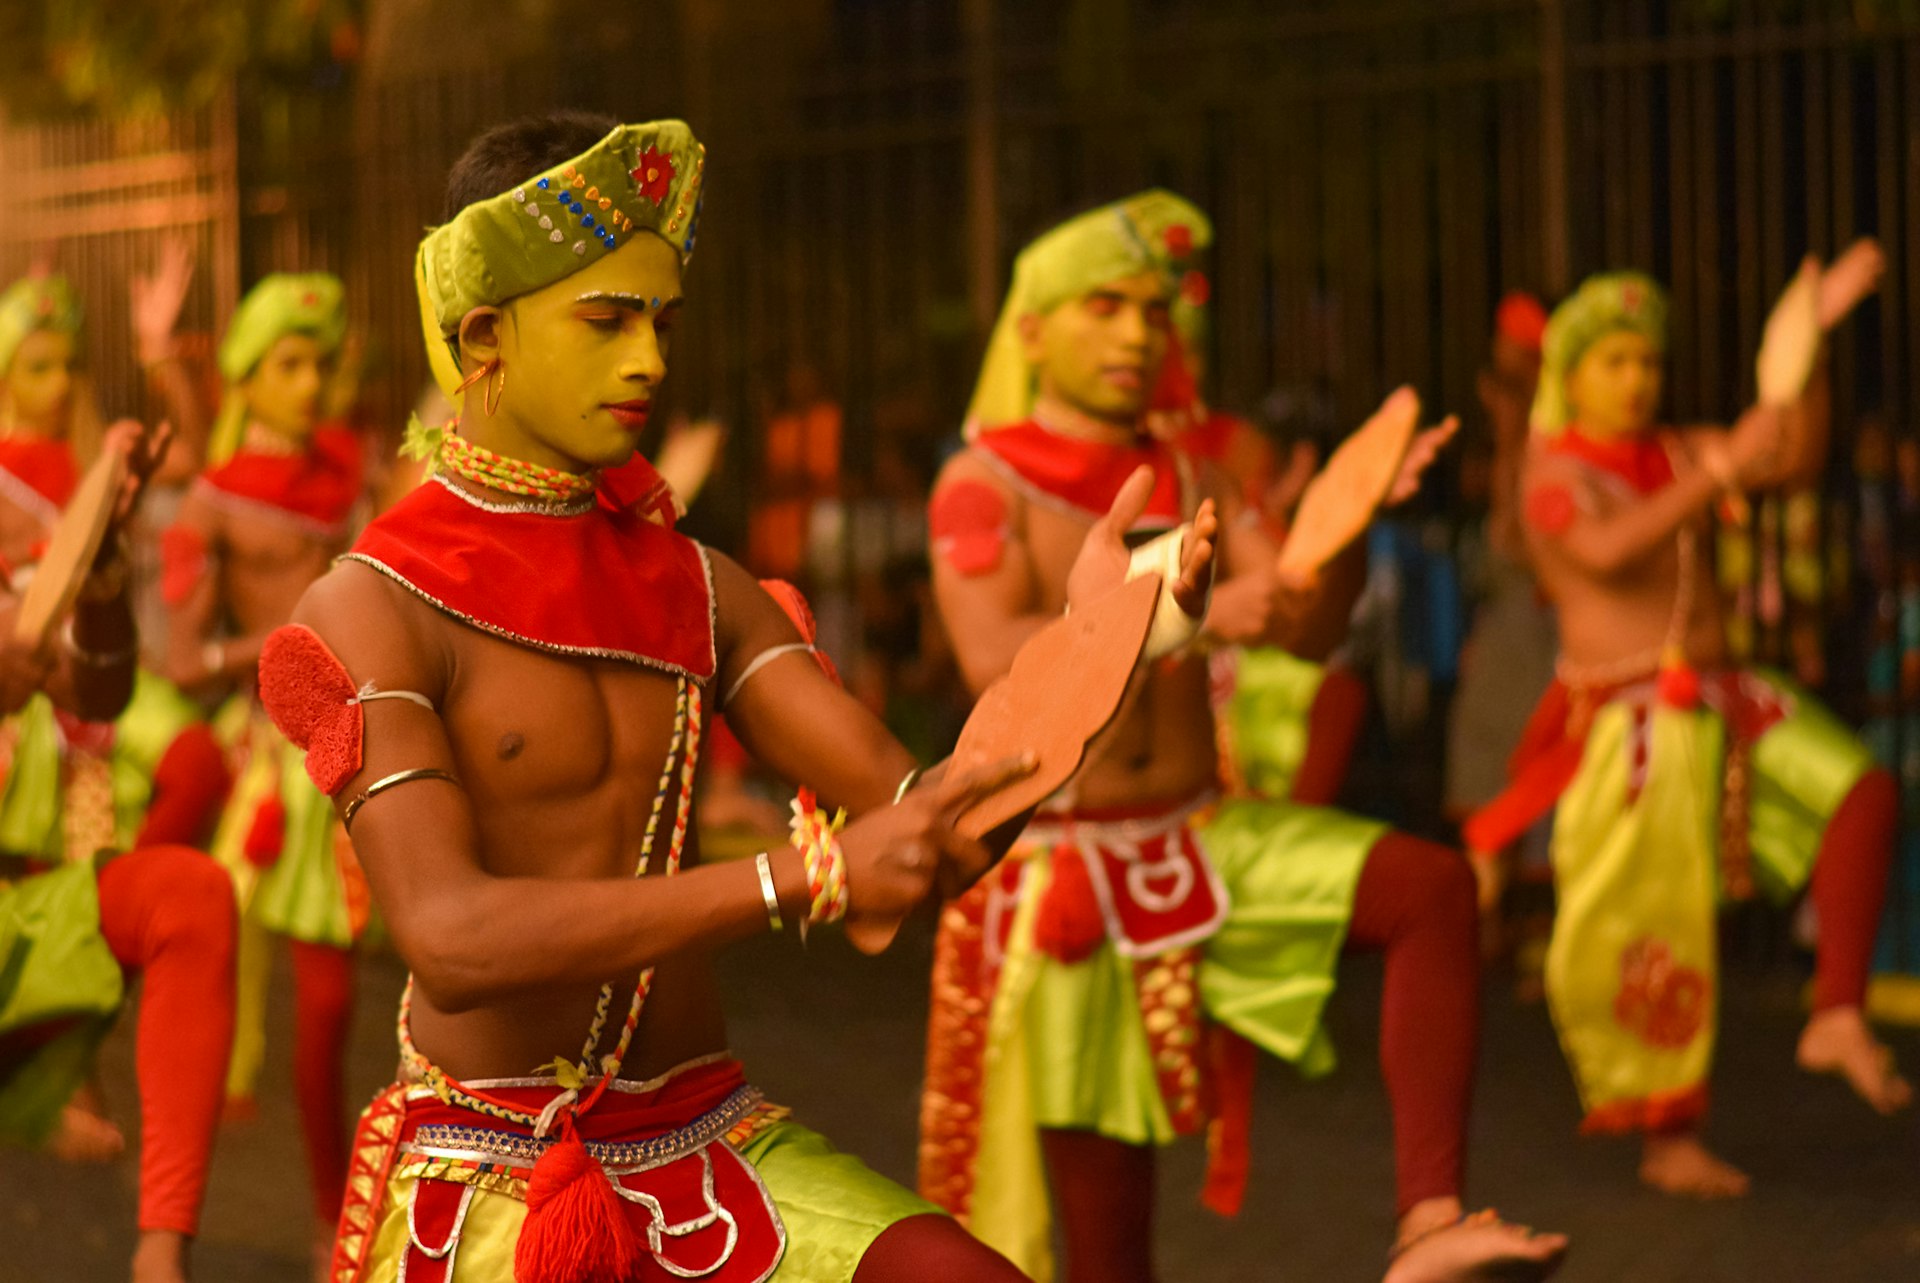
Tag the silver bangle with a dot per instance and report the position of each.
(765, 865)
(906, 785)
(98, 658)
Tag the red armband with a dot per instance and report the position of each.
(309, 695)
(1550, 509)
(183, 562)
(968, 522)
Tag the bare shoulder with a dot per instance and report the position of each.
(747, 620)
(379, 630)
(198, 512)
(970, 466)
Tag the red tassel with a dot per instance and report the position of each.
(1068, 925)
(576, 1229)
(1229, 1148)
(267, 835)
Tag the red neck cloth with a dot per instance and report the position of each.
(1640, 460)
(1085, 475)
(44, 463)
(599, 580)
(320, 484)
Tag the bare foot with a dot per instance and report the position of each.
(1480, 1249)
(1837, 1041)
(160, 1257)
(1682, 1166)
(85, 1135)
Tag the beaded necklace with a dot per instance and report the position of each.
(515, 476)
(683, 753)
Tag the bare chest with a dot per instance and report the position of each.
(570, 751)
(1053, 541)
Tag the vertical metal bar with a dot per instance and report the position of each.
(983, 196)
(1555, 237)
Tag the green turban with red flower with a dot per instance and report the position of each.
(1153, 231)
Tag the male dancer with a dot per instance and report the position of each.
(1677, 778)
(1072, 988)
(50, 426)
(503, 687)
(74, 934)
(259, 525)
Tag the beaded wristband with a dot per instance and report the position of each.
(815, 836)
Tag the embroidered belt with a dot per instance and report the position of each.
(487, 1145)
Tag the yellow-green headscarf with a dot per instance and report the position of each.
(1152, 231)
(639, 178)
(36, 303)
(284, 303)
(1604, 303)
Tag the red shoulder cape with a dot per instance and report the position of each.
(44, 464)
(1084, 475)
(319, 485)
(599, 581)
(1642, 461)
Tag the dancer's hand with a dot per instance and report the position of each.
(1425, 449)
(144, 450)
(1104, 557)
(1849, 279)
(894, 854)
(156, 299)
(1242, 608)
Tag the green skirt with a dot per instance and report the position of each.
(55, 971)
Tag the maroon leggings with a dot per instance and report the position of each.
(167, 913)
(932, 1246)
(1850, 888)
(323, 1018)
(1414, 903)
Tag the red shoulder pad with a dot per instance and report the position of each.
(1550, 508)
(794, 603)
(306, 690)
(968, 522)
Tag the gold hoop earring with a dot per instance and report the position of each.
(496, 385)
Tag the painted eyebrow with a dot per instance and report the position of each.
(638, 302)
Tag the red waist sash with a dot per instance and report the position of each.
(696, 1205)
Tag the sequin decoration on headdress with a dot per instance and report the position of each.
(639, 178)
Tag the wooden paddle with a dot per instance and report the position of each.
(1063, 689)
(1338, 504)
(77, 536)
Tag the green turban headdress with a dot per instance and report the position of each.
(1604, 303)
(310, 303)
(639, 178)
(36, 303)
(1152, 231)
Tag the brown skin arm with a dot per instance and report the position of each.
(794, 719)
(1610, 543)
(96, 692)
(193, 621)
(470, 936)
(992, 614)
